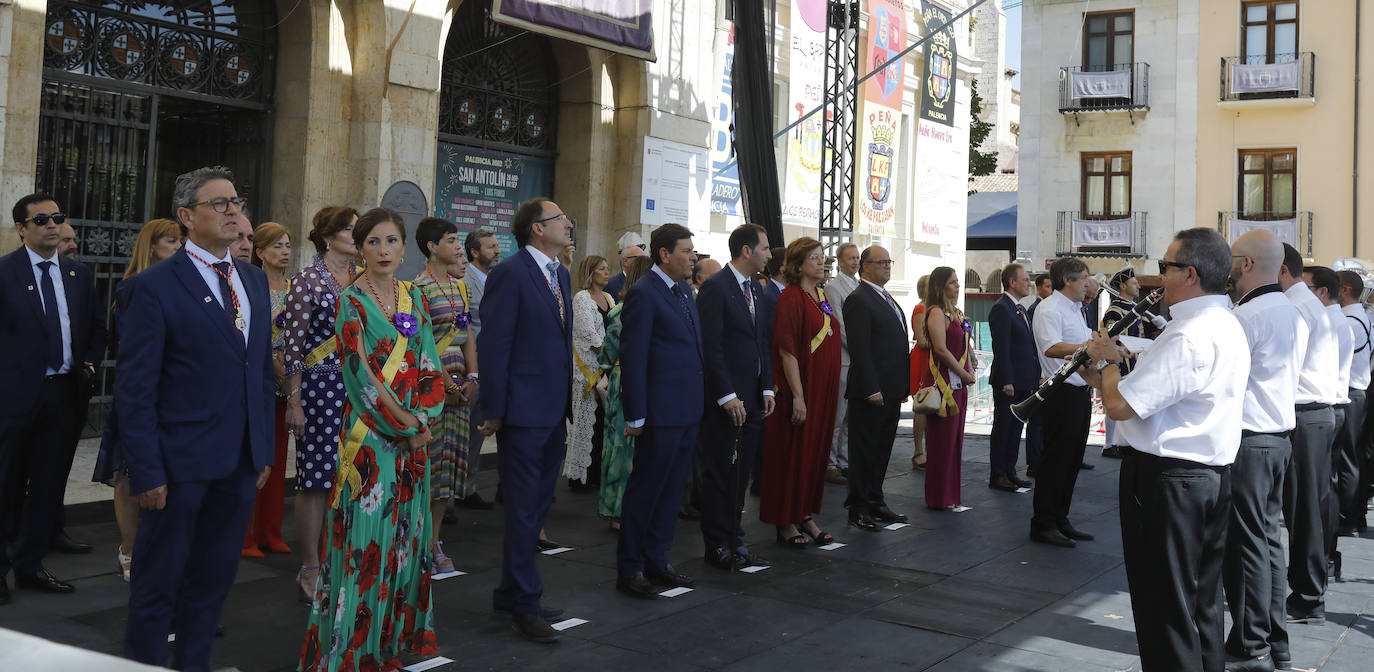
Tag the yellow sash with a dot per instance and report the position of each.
(825, 327)
(322, 352)
(592, 375)
(452, 335)
(947, 403)
(348, 451)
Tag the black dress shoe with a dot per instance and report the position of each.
(1052, 537)
(475, 501)
(1030, 471)
(43, 581)
(1002, 483)
(1307, 619)
(4, 591)
(65, 544)
(1068, 530)
(1112, 451)
(534, 628)
(1256, 664)
(637, 585)
(750, 559)
(860, 519)
(547, 613)
(547, 544)
(885, 515)
(688, 512)
(1022, 482)
(1283, 660)
(669, 577)
(1085, 465)
(724, 558)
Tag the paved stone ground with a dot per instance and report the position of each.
(951, 592)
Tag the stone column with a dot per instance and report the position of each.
(21, 87)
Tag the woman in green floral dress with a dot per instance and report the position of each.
(617, 450)
(373, 599)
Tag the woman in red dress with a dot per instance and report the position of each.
(806, 371)
(919, 366)
(952, 361)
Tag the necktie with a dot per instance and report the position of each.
(51, 321)
(748, 295)
(890, 301)
(553, 285)
(226, 292)
(1022, 312)
(683, 303)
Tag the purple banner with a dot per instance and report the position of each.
(622, 26)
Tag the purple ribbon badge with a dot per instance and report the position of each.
(827, 308)
(406, 324)
(280, 320)
(462, 320)
(968, 328)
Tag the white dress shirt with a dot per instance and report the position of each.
(1271, 324)
(1360, 331)
(1188, 388)
(1059, 319)
(544, 260)
(836, 291)
(63, 317)
(211, 277)
(1318, 378)
(740, 279)
(1345, 343)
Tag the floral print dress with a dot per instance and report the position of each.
(373, 599)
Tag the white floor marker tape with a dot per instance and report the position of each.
(831, 546)
(895, 526)
(556, 551)
(448, 575)
(568, 623)
(427, 664)
(754, 568)
(674, 592)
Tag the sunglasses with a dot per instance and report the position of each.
(1164, 265)
(42, 219)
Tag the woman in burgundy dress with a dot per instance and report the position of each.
(952, 361)
(806, 371)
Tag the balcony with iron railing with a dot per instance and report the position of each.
(1097, 235)
(1124, 86)
(1254, 82)
(1293, 227)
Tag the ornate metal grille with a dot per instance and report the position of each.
(499, 87)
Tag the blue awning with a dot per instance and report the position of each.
(992, 215)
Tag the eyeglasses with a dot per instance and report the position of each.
(817, 258)
(1164, 265)
(221, 205)
(557, 217)
(42, 218)
(882, 262)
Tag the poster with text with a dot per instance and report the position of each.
(480, 189)
(677, 185)
(880, 119)
(725, 192)
(801, 192)
(940, 208)
(942, 57)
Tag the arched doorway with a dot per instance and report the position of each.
(498, 107)
(136, 92)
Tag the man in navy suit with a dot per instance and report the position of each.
(1015, 375)
(51, 335)
(663, 395)
(739, 391)
(193, 392)
(526, 346)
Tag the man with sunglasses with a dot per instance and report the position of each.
(50, 337)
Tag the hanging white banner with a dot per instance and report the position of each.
(1265, 77)
(1098, 233)
(1286, 230)
(1115, 84)
(801, 194)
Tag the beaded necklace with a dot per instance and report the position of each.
(380, 305)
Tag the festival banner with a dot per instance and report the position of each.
(806, 83)
(940, 181)
(622, 26)
(725, 192)
(880, 121)
(942, 57)
(480, 189)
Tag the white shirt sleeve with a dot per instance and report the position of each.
(1169, 371)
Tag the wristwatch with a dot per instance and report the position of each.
(1102, 365)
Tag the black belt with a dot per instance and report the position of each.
(1245, 434)
(57, 376)
(1128, 451)
(1314, 406)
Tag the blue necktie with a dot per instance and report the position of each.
(748, 296)
(557, 293)
(51, 321)
(226, 293)
(686, 306)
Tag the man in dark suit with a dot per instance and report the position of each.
(50, 336)
(739, 391)
(631, 245)
(662, 393)
(879, 383)
(1035, 433)
(194, 395)
(526, 346)
(1043, 289)
(1015, 375)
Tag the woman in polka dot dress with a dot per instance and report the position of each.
(315, 389)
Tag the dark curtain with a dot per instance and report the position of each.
(753, 98)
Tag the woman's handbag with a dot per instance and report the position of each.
(926, 400)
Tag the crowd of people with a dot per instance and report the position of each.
(668, 389)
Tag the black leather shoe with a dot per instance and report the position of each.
(1283, 660)
(637, 585)
(534, 628)
(1112, 451)
(547, 613)
(4, 591)
(1085, 465)
(1002, 483)
(1068, 530)
(724, 558)
(43, 581)
(65, 544)
(1257, 664)
(1052, 537)
(1307, 619)
(886, 515)
(475, 501)
(669, 577)
(751, 559)
(862, 520)
(1022, 482)
(547, 544)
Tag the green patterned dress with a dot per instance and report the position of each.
(617, 450)
(452, 471)
(373, 599)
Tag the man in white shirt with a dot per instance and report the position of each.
(1254, 567)
(1351, 472)
(1181, 411)
(836, 291)
(1059, 331)
(1307, 485)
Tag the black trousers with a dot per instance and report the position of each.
(1005, 442)
(724, 456)
(872, 429)
(1174, 515)
(1035, 441)
(1306, 498)
(34, 461)
(1347, 469)
(1067, 413)
(1254, 567)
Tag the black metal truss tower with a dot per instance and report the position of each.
(839, 124)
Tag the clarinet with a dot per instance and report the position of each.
(1024, 410)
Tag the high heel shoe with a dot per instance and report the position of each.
(125, 562)
(918, 462)
(821, 537)
(304, 594)
(796, 541)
